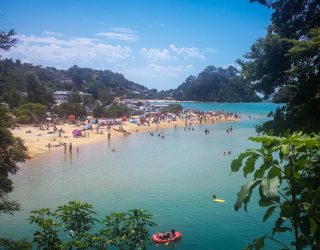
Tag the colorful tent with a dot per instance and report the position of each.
(76, 132)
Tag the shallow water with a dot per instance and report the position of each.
(173, 178)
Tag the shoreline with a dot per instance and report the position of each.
(37, 141)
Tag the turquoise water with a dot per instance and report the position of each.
(173, 178)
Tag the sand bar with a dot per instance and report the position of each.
(37, 141)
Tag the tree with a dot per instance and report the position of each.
(105, 97)
(12, 97)
(217, 85)
(115, 229)
(68, 108)
(78, 220)
(99, 112)
(47, 236)
(12, 151)
(7, 40)
(6, 244)
(117, 110)
(137, 223)
(31, 112)
(288, 56)
(128, 230)
(287, 172)
(37, 92)
(74, 96)
(122, 230)
(172, 108)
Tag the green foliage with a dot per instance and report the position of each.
(115, 229)
(99, 112)
(69, 108)
(172, 108)
(117, 110)
(285, 94)
(7, 244)
(137, 223)
(6, 120)
(37, 91)
(128, 230)
(12, 151)
(12, 97)
(47, 236)
(286, 170)
(105, 97)
(288, 58)
(74, 96)
(31, 112)
(6, 205)
(217, 85)
(77, 217)
(122, 230)
(7, 40)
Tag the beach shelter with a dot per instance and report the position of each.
(76, 132)
(94, 121)
(71, 118)
(133, 120)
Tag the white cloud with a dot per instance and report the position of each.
(187, 52)
(122, 34)
(156, 70)
(155, 54)
(51, 50)
(173, 52)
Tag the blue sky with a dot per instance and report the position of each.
(157, 43)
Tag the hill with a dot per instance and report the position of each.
(215, 85)
(14, 76)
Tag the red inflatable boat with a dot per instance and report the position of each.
(160, 240)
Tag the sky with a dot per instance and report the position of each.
(156, 43)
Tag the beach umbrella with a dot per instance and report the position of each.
(71, 118)
(76, 132)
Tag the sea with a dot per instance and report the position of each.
(173, 178)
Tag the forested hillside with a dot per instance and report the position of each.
(17, 77)
(216, 85)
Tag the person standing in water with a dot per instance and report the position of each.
(70, 147)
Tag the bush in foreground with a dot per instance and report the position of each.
(71, 227)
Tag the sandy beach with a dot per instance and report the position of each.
(37, 142)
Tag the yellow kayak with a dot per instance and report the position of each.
(218, 200)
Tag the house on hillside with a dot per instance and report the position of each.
(63, 80)
(63, 96)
